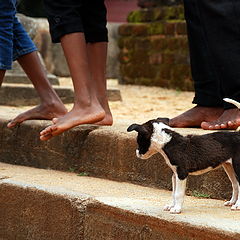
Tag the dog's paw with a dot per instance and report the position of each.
(167, 207)
(229, 203)
(236, 207)
(175, 210)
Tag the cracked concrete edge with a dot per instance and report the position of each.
(31, 212)
(107, 152)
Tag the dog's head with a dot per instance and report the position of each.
(152, 136)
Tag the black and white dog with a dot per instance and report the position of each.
(191, 155)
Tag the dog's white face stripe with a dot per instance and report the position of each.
(158, 140)
(159, 136)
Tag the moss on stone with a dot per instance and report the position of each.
(170, 13)
(156, 14)
(135, 16)
(140, 16)
(155, 28)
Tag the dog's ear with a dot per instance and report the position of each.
(133, 127)
(138, 128)
(163, 120)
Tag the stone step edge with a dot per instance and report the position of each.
(106, 152)
(25, 94)
(87, 216)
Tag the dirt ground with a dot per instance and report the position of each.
(139, 103)
(142, 103)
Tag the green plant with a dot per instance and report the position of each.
(83, 174)
(200, 195)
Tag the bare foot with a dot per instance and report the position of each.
(195, 116)
(107, 120)
(230, 119)
(75, 117)
(43, 111)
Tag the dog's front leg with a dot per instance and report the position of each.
(171, 205)
(179, 195)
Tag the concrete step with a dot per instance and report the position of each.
(12, 77)
(24, 94)
(45, 204)
(106, 152)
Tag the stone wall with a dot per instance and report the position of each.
(154, 48)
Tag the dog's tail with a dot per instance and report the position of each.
(229, 100)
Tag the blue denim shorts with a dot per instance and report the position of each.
(14, 40)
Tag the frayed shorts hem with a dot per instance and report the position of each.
(24, 52)
(5, 67)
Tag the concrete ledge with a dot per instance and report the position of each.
(107, 152)
(24, 94)
(49, 205)
(22, 78)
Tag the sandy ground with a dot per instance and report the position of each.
(142, 103)
(139, 103)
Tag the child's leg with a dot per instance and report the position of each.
(2, 74)
(87, 108)
(97, 54)
(50, 104)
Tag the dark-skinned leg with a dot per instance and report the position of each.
(222, 28)
(2, 74)
(206, 82)
(97, 55)
(87, 108)
(50, 104)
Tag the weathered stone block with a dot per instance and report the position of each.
(158, 42)
(156, 14)
(22, 94)
(169, 28)
(133, 29)
(181, 28)
(168, 58)
(156, 58)
(155, 28)
(139, 16)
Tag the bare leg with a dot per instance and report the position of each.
(2, 74)
(97, 55)
(51, 106)
(87, 108)
(229, 119)
(195, 116)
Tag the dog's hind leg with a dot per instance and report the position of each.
(236, 167)
(236, 206)
(169, 206)
(235, 185)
